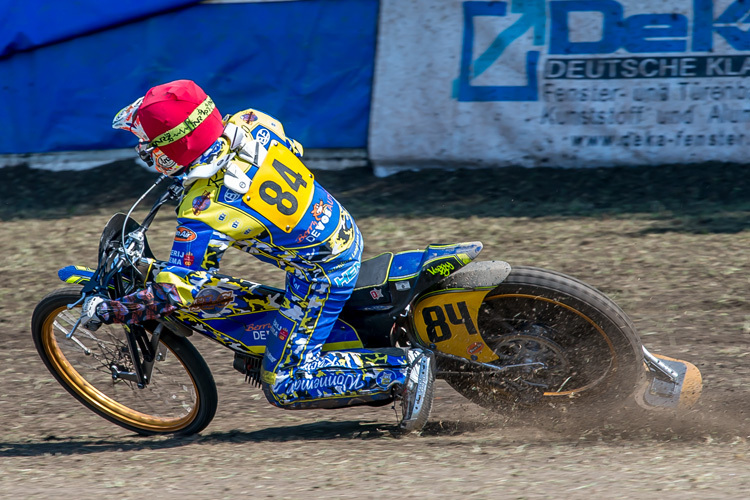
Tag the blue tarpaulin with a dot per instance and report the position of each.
(33, 23)
(308, 63)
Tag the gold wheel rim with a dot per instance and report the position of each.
(100, 401)
(585, 318)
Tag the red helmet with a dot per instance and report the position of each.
(180, 120)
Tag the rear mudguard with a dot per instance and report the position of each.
(445, 319)
(484, 275)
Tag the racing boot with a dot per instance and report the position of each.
(417, 393)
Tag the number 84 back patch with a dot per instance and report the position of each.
(282, 190)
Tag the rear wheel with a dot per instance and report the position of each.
(180, 398)
(574, 348)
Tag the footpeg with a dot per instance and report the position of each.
(673, 383)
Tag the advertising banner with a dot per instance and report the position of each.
(560, 83)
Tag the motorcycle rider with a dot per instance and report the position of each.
(290, 221)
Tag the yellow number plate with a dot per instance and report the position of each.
(449, 321)
(282, 189)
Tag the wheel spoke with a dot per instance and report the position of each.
(529, 329)
(167, 403)
(586, 344)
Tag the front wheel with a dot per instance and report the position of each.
(181, 397)
(575, 350)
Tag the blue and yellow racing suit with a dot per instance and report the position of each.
(286, 218)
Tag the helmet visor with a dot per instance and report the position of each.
(127, 119)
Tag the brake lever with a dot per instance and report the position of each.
(83, 297)
(77, 323)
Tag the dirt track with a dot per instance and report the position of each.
(680, 274)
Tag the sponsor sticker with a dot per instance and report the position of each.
(322, 211)
(210, 155)
(475, 348)
(385, 379)
(443, 269)
(263, 136)
(184, 234)
(201, 203)
(259, 331)
(188, 259)
(343, 382)
(347, 276)
(231, 196)
(211, 300)
(254, 326)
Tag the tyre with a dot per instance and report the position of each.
(576, 351)
(181, 397)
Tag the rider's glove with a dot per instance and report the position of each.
(89, 317)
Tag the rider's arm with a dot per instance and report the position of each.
(196, 250)
(152, 302)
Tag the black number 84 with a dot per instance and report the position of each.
(436, 321)
(273, 194)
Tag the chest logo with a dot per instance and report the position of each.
(231, 196)
(184, 234)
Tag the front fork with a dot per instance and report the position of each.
(150, 350)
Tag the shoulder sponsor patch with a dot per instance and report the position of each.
(263, 136)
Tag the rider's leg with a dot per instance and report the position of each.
(298, 374)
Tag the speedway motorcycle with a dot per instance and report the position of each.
(522, 341)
